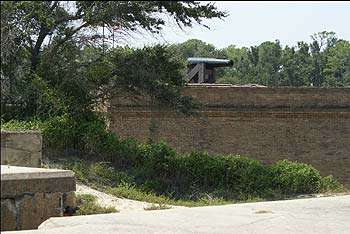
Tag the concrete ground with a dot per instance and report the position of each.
(315, 215)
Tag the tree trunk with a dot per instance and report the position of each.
(36, 50)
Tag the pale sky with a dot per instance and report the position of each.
(251, 23)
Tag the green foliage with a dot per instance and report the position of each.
(201, 179)
(194, 48)
(55, 64)
(157, 207)
(132, 192)
(323, 62)
(159, 170)
(72, 85)
(88, 205)
(153, 71)
(156, 170)
(16, 125)
(296, 178)
(337, 68)
(328, 183)
(101, 173)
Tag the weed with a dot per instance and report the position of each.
(87, 205)
(157, 207)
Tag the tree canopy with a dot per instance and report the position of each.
(57, 55)
(29, 23)
(325, 62)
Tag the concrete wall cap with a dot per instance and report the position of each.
(4, 131)
(21, 173)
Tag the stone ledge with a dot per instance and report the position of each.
(20, 132)
(16, 181)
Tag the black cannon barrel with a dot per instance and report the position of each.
(212, 62)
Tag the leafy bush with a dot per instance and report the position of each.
(16, 125)
(100, 173)
(295, 178)
(328, 183)
(156, 170)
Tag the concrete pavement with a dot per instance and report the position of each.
(313, 215)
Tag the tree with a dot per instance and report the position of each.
(296, 65)
(195, 48)
(269, 64)
(45, 40)
(320, 45)
(62, 22)
(337, 67)
(323, 62)
(232, 74)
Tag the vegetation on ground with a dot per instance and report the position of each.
(159, 175)
(87, 205)
(157, 207)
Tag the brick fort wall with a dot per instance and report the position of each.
(310, 125)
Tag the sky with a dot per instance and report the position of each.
(251, 23)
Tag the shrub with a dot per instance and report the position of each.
(159, 170)
(231, 175)
(16, 125)
(328, 183)
(99, 173)
(295, 178)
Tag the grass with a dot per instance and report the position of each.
(263, 212)
(104, 177)
(88, 205)
(132, 192)
(101, 179)
(157, 207)
(15, 125)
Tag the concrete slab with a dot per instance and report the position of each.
(14, 173)
(316, 215)
(17, 181)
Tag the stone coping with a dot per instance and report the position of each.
(23, 173)
(254, 86)
(17, 181)
(5, 131)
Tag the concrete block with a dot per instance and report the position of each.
(8, 214)
(21, 148)
(16, 181)
(29, 196)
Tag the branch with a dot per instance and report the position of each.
(71, 17)
(54, 5)
(68, 36)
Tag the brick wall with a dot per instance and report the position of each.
(310, 125)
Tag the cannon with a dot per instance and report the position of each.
(202, 70)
